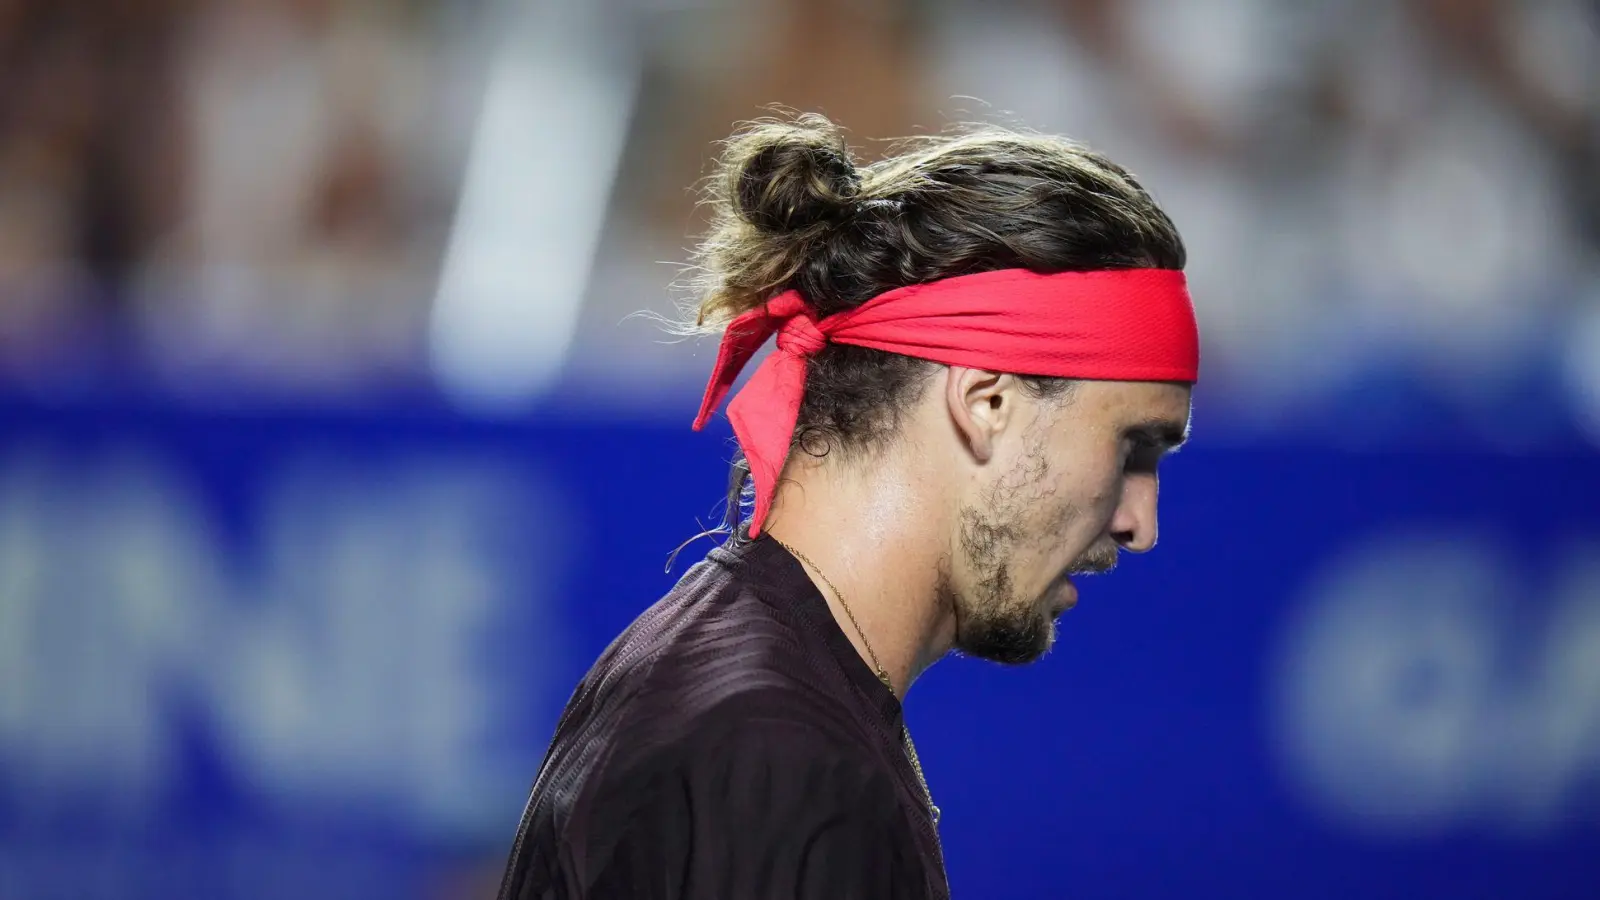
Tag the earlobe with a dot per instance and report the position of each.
(979, 404)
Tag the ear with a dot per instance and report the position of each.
(982, 405)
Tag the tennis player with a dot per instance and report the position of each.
(984, 347)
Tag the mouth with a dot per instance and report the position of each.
(1064, 593)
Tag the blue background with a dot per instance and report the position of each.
(1145, 757)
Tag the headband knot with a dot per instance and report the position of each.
(800, 335)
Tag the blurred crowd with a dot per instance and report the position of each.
(259, 192)
(247, 190)
(1382, 198)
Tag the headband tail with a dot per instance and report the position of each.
(743, 337)
(764, 415)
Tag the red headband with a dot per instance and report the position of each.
(1121, 325)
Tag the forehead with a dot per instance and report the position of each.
(1125, 403)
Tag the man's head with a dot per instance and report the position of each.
(1038, 475)
(1040, 487)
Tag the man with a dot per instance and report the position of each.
(984, 347)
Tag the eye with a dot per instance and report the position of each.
(1142, 455)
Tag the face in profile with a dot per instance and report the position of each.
(1078, 487)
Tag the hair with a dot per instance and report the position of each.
(792, 209)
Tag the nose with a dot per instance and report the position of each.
(1134, 525)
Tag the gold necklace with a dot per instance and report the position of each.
(883, 674)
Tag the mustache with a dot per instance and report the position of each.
(1095, 562)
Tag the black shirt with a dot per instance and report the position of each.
(730, 744)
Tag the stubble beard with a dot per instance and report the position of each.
(992, 621)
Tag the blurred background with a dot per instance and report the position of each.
(333, 446)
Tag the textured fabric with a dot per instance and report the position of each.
(729, 744)
(1124, 325)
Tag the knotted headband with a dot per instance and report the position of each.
(1119, 325)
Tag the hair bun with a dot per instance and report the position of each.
(793, 175)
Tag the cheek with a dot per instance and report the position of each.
(1109, 495)
(1080, 511)
(1096, 489)
(1087, 489)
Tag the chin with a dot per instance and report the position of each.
(1013, 642)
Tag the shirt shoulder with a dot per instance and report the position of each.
(723, 647)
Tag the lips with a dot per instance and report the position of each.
(1066, 597)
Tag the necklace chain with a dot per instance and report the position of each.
(883, 674)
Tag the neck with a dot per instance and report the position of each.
(877, 538)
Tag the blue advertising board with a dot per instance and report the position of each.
(319, 655)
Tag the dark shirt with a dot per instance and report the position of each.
(730, 744)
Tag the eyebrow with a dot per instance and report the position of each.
(1170, 435)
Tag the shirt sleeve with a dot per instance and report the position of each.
(768, 809)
